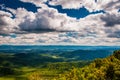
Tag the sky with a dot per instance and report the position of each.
(60, 22)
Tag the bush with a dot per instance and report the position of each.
(6, 71)
(116, 54)
(34, 76)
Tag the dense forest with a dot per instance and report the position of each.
(100, 69)
(33, 66)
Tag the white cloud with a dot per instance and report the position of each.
(38, 3)
(46, 19)
(6, 23)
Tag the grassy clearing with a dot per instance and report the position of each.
(27, 72)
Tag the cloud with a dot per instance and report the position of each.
(91, 5)
(112, 6)
(38, 3)
(45, 20)
(4, 15)
(115, 34)
(6, 23)
(66, 4)
(112, 24)
(111, 19)
(49, 20)
(48, 26)
(54, 38)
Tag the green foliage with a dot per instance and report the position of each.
(64, 66)
(6, 68)
(116, 54)
(6, 71)
(35, 76)
(110, 72)
(101, 69)
(26, 59)
(98, 63)
(56, 69)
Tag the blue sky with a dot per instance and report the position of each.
(70, 22)
(14, 4)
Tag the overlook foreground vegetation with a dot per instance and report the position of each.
(44, 67)
(100, 69)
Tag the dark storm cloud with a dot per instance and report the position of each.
(111, 20)
(117, 7)
(115, 34)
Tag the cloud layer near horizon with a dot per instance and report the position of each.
(48, 26)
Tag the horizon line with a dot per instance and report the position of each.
(53, 45)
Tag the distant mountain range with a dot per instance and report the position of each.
(66, 52)
(55, 47)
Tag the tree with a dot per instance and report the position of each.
(35, 76)
(110, 72)
(6, 69)
(116, 54)
(98, 63)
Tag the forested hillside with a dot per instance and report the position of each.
(101, 69)
(31, 66)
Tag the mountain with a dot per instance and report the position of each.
(86, 54)
(60, 51)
